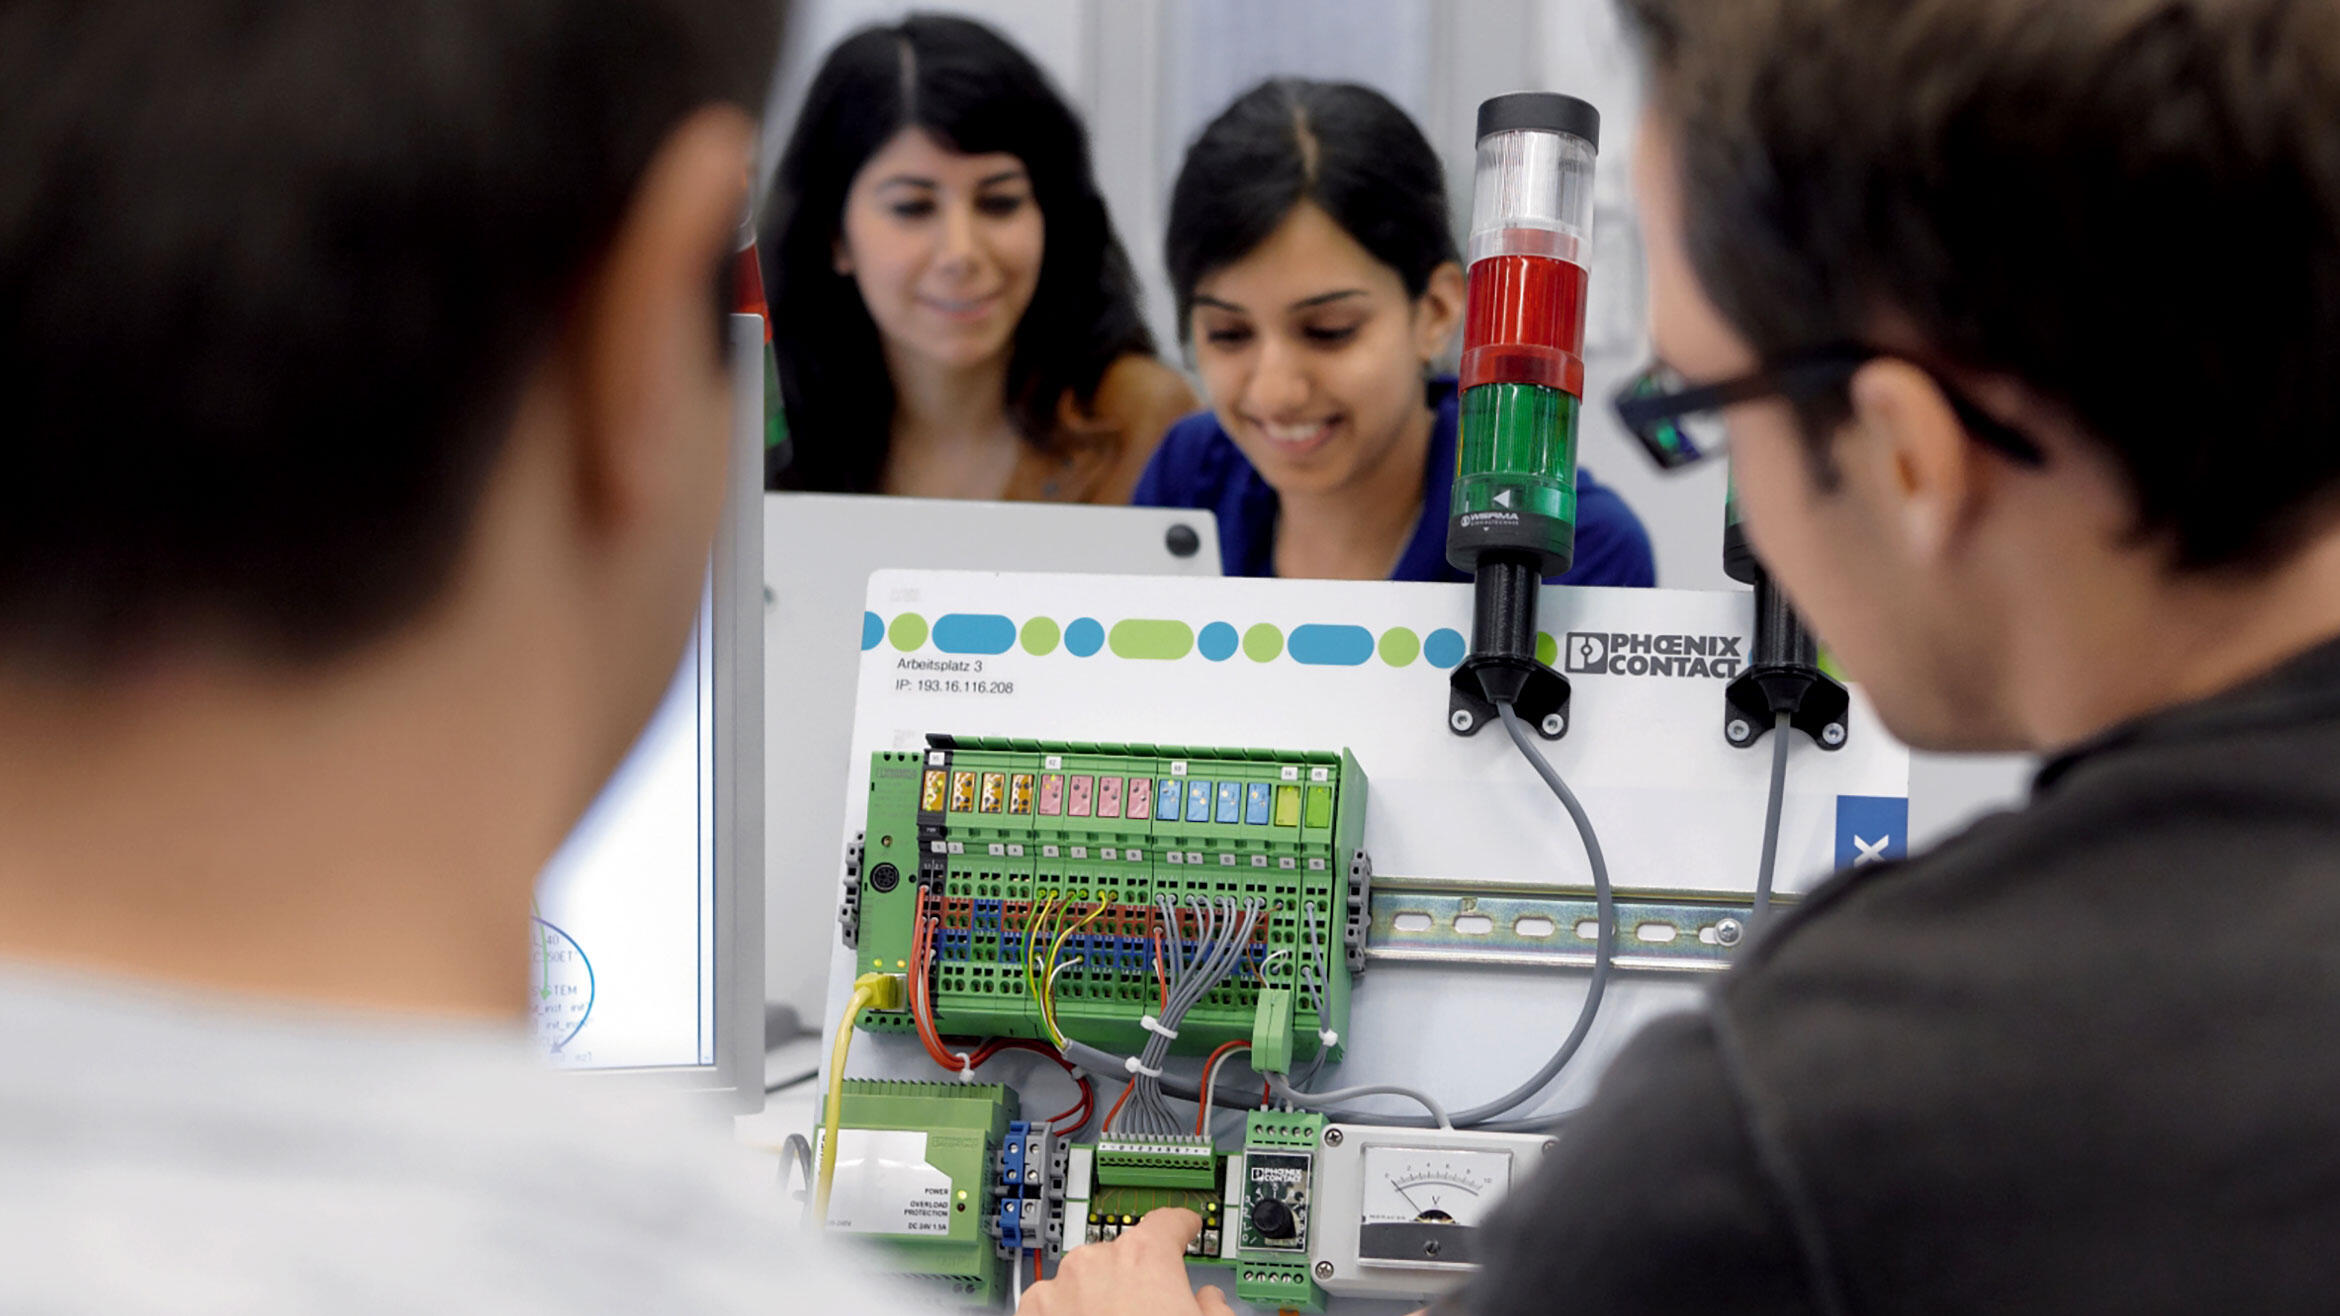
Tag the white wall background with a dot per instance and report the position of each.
(1148, 74)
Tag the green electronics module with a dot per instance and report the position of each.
(1256, 1204)
(1039, 886)
(937, 1148)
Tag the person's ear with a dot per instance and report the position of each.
(648, 363)
(840, 259)
(1913, 454)
(1438, 312)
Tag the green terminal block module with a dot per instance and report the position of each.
(916, 1173)
(1257, 1205)
(1043, 862)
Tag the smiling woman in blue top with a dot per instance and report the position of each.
(1317, 280)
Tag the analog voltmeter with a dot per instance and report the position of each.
(1422, 1206)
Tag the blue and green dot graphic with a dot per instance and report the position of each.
(1154, 639)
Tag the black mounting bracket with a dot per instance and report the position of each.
(1537, 693)
(1815, 703)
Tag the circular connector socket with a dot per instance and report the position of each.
(884, 878)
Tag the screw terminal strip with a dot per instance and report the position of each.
(1042, 863)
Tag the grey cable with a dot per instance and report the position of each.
(1604, 959)
(798, 1149)
(1772, 809)
(1604, 945)
(1320, 1100)
(1223, 936)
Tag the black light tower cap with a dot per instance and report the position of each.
(1541, 111)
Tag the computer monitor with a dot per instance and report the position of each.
(646, 958)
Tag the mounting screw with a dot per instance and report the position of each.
(1729, 931)
(1554, 724)
(1333, 1136)
(1430, 1247)
(1832, 735)
(1739, 731)
(1461, 720)
(1324, 1270)
(1182, 541)
(1551, 1145)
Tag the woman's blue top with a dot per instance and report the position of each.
(1199, 466)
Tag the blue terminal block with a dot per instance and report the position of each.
(1166, 800)
(1230, 802)
(1011, 1158)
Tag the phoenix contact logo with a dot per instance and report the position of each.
(1621, 653)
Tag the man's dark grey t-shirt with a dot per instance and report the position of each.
(2083, 1058)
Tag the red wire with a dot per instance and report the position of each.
(922, 939)
(1035, 1265)
(921, 1000)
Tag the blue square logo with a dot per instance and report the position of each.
(1871, 829)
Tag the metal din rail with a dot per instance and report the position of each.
(1454, 921)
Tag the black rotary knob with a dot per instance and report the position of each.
(1272, 1219)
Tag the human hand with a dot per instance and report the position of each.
(1141, 1273)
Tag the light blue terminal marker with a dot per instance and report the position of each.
(1198, 801)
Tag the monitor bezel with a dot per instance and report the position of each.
(735, 646)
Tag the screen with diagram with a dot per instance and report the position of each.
(622, 945)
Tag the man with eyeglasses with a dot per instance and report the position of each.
(2020, 322)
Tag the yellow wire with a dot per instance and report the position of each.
(1031, 948)
(878, 990)
(1048, 999)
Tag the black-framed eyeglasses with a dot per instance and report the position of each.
(1680, 424)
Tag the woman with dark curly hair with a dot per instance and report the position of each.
(952, 314)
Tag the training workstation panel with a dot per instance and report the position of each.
(1095, 977)
(1112, 907)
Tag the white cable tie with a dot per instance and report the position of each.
(1137, 1066)
(1077, 1073)
(966, 1068)
(1328, 1037)
(1156, 1027)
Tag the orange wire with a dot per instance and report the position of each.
(922, 950)
(1224, 1048)
(1115, 1113)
